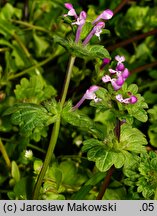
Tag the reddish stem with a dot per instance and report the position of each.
(120, 6)
(130, 40)
(144, 67)
(105, 183)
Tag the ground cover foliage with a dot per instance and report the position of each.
(78, 99)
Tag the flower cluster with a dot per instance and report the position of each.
(81, 19)
(117, 78)
(120, 74)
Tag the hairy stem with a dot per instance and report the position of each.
(5, 155)
(55, 132)
(105, 183)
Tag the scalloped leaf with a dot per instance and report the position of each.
(132, 139)
(136, 110)
(34, 90)
(103, 156)
(141, 174)
(113, 152)
(30, 117)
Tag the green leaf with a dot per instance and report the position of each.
(79, 119)
(135, 19)
(8, 11)
(41, 45)
(30, 117)
(19, 56)
(34, 90)
(152, 133)
(111, 152)
(152, 130)
(135, 110)
(7, 29)
(105, 97)
(150, 97)
(115, 191)
(24, 188)
(52, 184)
(147, 182)
(69, 172)
(132, 139)
(85, 189)
(88, 51)
(153, 114)
(15, 171)
(86, 29)
(102, 155)
(141, 174)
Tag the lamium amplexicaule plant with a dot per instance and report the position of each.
(100, 121)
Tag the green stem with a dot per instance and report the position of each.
(33, 67)
(67, 80)
(55, 132)
(36, 148)
(4, 49)
(25, 50)
(53, 140)
(30, 25)
(5, 155)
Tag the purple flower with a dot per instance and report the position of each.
(120, 74)
(120, 59)
(125, 73)
(120, 67)
(80, 22)
(71, 11)
(116, 83)
(105, 15)
(131, 100)
(81, 19)
(89, 95)
(97, 29)
(105, 61)
(120, 81)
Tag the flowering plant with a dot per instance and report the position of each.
(78, 135)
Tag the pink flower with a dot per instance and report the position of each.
(105, 61)
(81, 19)
(97, 29)
(116, 83)
(89, 95)
(71, 11)
(131, 100)
(125, 73)
(80, 22)
(105, 15)
(120, 67)
(120, 59)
